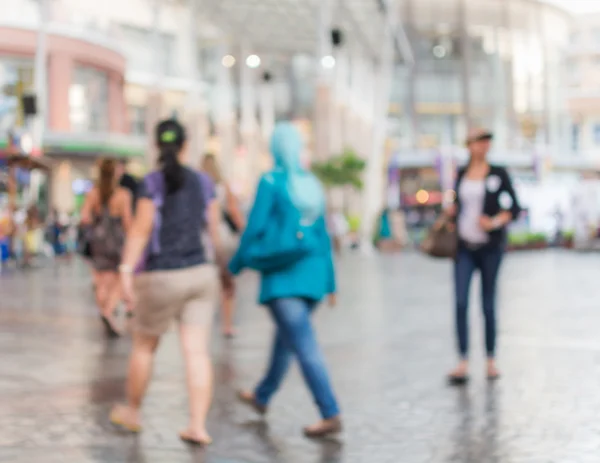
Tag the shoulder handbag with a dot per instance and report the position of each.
(441, 240)
(285, 241)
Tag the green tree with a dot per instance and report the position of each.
(344, 170)
(341, 172)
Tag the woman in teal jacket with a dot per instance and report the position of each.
(293, 293)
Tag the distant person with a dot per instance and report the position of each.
(231, 226)
(481, 215)
(292, 287)
(107, 214)
(177, 282)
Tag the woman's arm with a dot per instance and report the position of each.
(213, 217)
(138, 234)
(126, 212)
(257, 221)
(515, 208)
(233, 209)
(328, 252)
(507, 216)
(88, 207)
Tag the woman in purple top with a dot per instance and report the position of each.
(175, 204)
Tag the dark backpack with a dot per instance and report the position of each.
(107, 236)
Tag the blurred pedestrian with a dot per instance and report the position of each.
(231, 225)
(297, 272)
(485, 204)
(177, 281)
(107, 214)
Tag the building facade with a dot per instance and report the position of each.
(583, 67)
(491, 63)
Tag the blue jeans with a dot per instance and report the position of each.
(295, 336)
(487, 260)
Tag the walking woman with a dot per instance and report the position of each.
(106, 213)
(175, 204)
(292, 294)
(231, 225)
(485, 204)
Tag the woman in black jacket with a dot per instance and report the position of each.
(485, 204)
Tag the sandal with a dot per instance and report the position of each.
(123, 424)
(457, 380)
(249, 399)
(324, 429)
(188, 438)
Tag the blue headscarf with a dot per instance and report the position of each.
(305, 190)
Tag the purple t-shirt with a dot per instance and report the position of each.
(183, 218)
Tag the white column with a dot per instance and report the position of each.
(499, 96)
(466, 64)
(248, 122)
(224, 112)
(266, 106)
(374, 181)
(154, 102)
(322, 116)
(38, 127)
(339, 106)
(196, 107)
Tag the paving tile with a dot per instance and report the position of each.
(388, 344)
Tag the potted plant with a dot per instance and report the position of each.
(567, 239)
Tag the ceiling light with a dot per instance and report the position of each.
(439, 51)
(253, 61)
(328, 62)
(228, 61)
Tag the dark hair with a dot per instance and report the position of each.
(170, 137)
(106, 180)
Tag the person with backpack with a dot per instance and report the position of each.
(174, 278)
(232, 223)
(106, 216)
(287, 242)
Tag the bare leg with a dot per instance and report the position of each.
(101, 290)
(138, 377)
(195, 341)
(228, 310)
(113, 294)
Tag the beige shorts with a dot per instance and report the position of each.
(188, 295)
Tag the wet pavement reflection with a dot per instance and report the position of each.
(389, 345)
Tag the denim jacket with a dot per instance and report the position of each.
(312, 278)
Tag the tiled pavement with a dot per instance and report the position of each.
(389, 345)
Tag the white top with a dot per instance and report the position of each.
(472, 196)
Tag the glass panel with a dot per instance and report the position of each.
(16, 79)
(141, 53)
(88, 100)
(137, 120)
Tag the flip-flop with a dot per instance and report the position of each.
(193, 441)
(494, 377)
(124, 426)
(458, 380)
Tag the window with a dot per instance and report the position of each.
(575, 137)
(16, 79)
(142, 54)
(574, 37)
(137, 120)
(596, 134)
(596, 35)
(88, 100)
